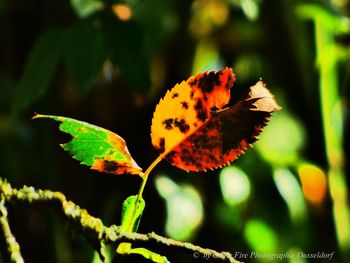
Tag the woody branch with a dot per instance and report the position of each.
(91, 227)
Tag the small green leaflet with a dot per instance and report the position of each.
(96, 147)
(131, 215)
(155, 257)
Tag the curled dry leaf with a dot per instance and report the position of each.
(96, 147)
(194, 132)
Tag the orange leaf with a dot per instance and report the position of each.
(192, 130)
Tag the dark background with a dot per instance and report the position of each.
(112, 73)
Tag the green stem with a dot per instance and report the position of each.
(146, 174)
(125, 247)
(143, 184)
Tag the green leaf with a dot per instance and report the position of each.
(39, 69)
(149, 255)
(84, 53)
(84, 8)
(131, 214)
(132, 211)
(96, 147)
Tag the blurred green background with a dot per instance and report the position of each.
(109, 62)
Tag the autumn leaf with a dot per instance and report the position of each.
(194, 132)
(96, 147)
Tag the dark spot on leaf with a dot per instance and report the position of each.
(168, 123)
(212, 158)
(209, 81)
(201, 113)
(188, 159)
(110, 166)
(184, 105)
(229, 82)
(110, 152)
(185, 151)
(200, 140)
(175, 95)
(192, 95)
(161, 145)
(215, 123)
(193, 82)
(170, 156)
(182, 125)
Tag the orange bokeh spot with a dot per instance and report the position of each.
(122, 11)
(314, 183)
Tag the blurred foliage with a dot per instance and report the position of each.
(260, 236)
(290, 190)
(184, 208)
(108, 62)
(84, 8)
(282, 140)
(235, 185)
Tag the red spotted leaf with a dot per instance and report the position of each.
(194, 132)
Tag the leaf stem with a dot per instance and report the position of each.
(147, 172)
(142, 187)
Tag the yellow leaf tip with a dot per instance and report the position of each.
(36, 116)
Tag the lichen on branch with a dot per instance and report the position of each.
(91, 227)
(13, 247)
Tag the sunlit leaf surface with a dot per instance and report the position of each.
(192, 127)
(96, 147)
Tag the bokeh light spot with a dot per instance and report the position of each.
(235, 185)
(122, 11)
(290, 190)
(184, 208)
(282, 140)
(313, 181)
(260, 237)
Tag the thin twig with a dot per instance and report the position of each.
(13, 247)
(94, 229)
